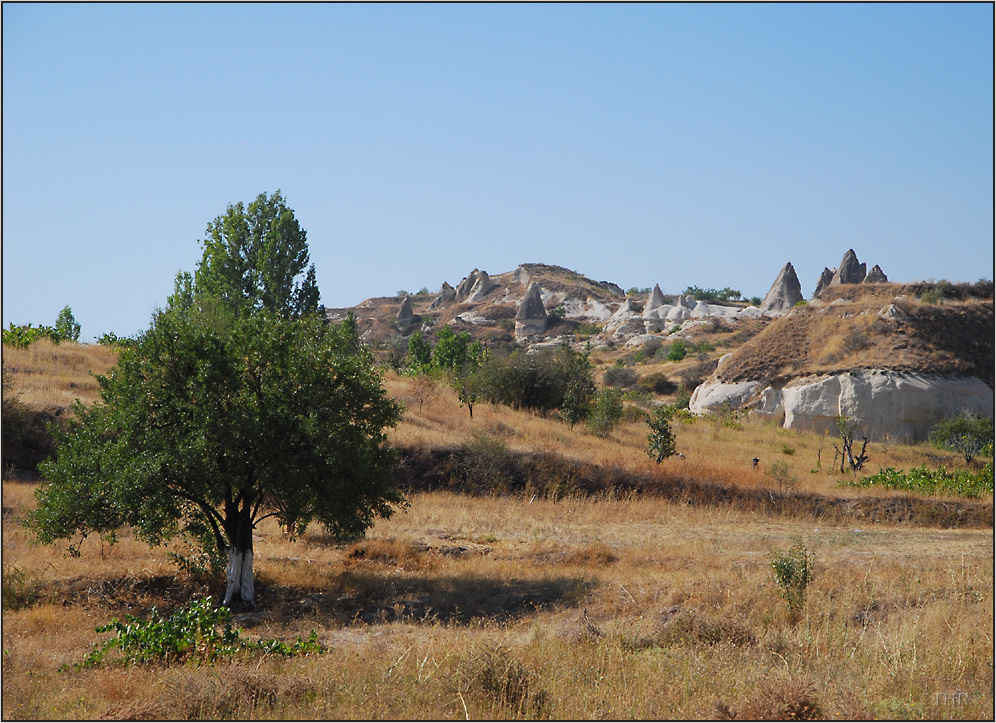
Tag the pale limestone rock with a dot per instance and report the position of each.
(876, 276)
(785, 292)
(530, 316)
(825, 278)
(406, 316)
(849, 271)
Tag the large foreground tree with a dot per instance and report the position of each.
(214, 421)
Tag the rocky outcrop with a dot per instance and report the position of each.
(475, 287)
(785, 292)
(876, 276)
(825, 278)
(406, 317)
(849, 271)
(446, 294)
(530, 315)
(885, 404)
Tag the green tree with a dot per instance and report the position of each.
(66, 328)
(213, 422)
(256, 258)
(419, 353)
(454, 351)
(606, 411)
(965, 432)
(661, 438)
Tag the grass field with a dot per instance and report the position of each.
(607, 606)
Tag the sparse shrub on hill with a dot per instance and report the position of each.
(66, 327)
(619, 377)
(657, 382)
(965, 432)
(661, 438)
(677, 351)
(540, 382)
(606, 411)
(23, 336)
(794, 571)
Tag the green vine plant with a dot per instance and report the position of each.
(196, 633)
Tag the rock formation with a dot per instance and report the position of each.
(530, 315)
(446, 294)
(785, 292)
(825, 278)
(876, 276)
(474, 287)
(885, 404)
(406, 317)
(849, 271)
(656, 299)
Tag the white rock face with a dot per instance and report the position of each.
(885, 404)
(595, 310)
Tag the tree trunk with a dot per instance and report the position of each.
(241, 581)
(239, 573)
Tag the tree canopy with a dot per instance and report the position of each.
(212, 422)
(256, 257)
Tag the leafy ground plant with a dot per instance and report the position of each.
(191, 634)
(793, 573)
(924, 481)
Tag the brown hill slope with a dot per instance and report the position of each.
(871, 329)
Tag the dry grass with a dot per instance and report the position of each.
(598, 606)
(49, 376)
(506, 607)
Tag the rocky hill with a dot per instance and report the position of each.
(893, 357)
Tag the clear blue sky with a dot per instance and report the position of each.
(675, 144)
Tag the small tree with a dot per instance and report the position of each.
(661, 437)
(845, 451)
(419, 353)
(782, 475)
(424, 387)
(66, 328)
(794, 571)
(965, 432)
(211, 423)
(606, 411)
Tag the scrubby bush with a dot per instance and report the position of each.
(793, 573)
(606, 411)
(965, 432)
(677, 351)
(661, 438)
(540, 382)
(657, 383)
(619, 377)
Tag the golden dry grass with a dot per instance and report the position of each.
(49, 376)
(581, 608)
(606, 606)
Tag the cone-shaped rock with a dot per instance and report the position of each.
(530, 315)
(825, 278)
(655, 301)
(849, 271)
(446, 294)
(405, 314)
(481, 287)
(876, 276)
(785, 293)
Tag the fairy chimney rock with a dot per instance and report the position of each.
(530, 315)
(849, 271)
(876, 276)
(785, 292)
(446, 294)
(406, 316)
(655, 301)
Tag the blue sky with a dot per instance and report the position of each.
(675, 144)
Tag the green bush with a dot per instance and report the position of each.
(540, 382)
(965, 432)
(794, 573)
(661, 438)
(677, 351)
(189, 634)
(922, 480)
(606, 411)
(657, 382)
(619, 377)
(23, 336)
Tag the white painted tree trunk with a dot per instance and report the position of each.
(240, 576)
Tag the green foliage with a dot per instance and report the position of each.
(24, 335)
(540, 382)
(782, 476)
(454, 351)
(801, 302)
(965, 432)
(712, 295)
(66, 328)
(924, 481)
(212, 422)
(194, 633)
(677, 351)
(587, 328)
(932, 296)
(634, 290)
(657, 382)
(112, 339)
(755, 301)
(606, 411)
(794, 571)
(661, 437)
(419, 353)
(256, 258)
(559, 313)
(619, 377)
